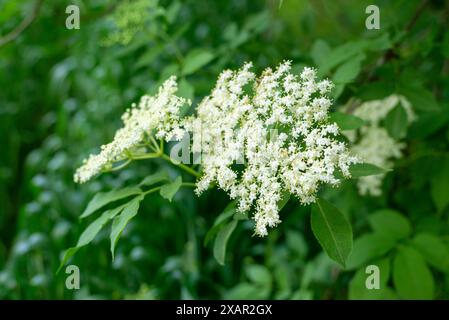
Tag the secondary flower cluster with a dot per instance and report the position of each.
(157, 114)
(374, 144)
(260, 138)
(239, 122)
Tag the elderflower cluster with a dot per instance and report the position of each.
(259, 138)
(263, 137)
(129, 18)
(158, 115)
(374, 144)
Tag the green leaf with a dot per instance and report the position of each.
(247, 291)
(419, 97)
(120, 222)
(103, 198)
(365, 169)
(368, 247)
(346, 121)
(169, 190)
(222, 218)
(258, 22)
(70, 252)
(196, 59)
(149, 56)
(434, 251)
(396, 122)
(285, 197)
(380, 43)
(90, 232)
(390, 223)
(259, 275)
(185, 89)
(349, 70)
(375, 90)
(320, 50)
(411, 276)
(428, 123)
(359, 291)
(221, 241)
(155, 178)
(439, 186)
(332, 230)
(341, 54)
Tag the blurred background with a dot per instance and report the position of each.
(61, 96)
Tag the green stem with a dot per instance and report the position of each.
(145, 156)
(119, 167)
(188, 184)
(155, 144)
(184, 184)
(151, 191)
(181, 166)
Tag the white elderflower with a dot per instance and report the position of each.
(374, 144)
(158, 115)
(266, 136)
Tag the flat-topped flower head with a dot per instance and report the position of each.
(277, 125)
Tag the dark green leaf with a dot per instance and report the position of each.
(332, 230)
(365, 169)
(349, 70)
(368, 247)
(396, 122)
(439, 186)
(390, 223)
(411, 276)
(222, 218)
(196, 59)
(221, 241)
(247, 291)
(285, 197)
(434, 250)
(90, 232)
(185, 89)
(149, 56)
(103, 198)
(340, 54)
(259, 274)
(375, 90)
(319, 52)
(120, 222)
(152, 179)
(346, 121)
(420, 98)
(169, 190)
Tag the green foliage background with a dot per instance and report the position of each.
(62, 92)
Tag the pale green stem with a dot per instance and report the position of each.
(159, 148)
(155, 144)
(121, 166)
(181, 166)
(145, 156)
(184, 184)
